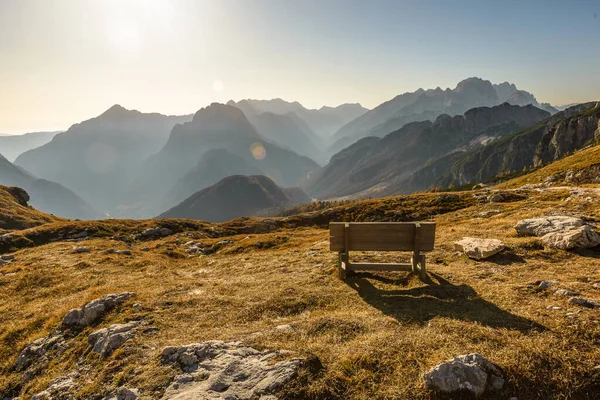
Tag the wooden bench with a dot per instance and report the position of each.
(418, 237)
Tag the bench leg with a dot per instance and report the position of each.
(415, 261)
(342, 264)
(423, 269)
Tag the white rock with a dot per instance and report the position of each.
(227, 370)
(582, 237)
(544, 225)
(81, 249)
(107, 340)
(479, 249)
(92, 311)
(546, 284)
(471, 373)
(7, 257)
(284, 328)
(565, 292)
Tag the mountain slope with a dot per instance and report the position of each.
(213, 166)
(236, 196)
(286, 132)
(547, 141)
(14, 145)
(217, 126)
(424, 105)
(46, 196)
(96, 158)
(374, 162)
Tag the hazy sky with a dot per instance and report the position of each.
(63, 61)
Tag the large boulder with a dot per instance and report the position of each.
(92, 311)
(581, 237)
(479, 249)
(544, 225)
(228, 370)
(471, 374)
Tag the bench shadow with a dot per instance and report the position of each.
(506, 258)
(439, 298)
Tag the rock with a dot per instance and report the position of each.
(192, 250)
(7, 257)
(81, 249)
(582, 237)
(144, 249)
(124, 393)
(479, 249)
(92, 311)
(284, 328)
(113, 251)
(190, 243)
(107, 340)
(37, 350)
(543, 285)
(565, 292)
(156, 232)
(580, 301)
(59, 389)
(544, 225)
(470, 373)
(596, 285)
(227, 370)
(79, 235)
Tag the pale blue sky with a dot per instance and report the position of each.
(62, 61)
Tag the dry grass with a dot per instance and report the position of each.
(375, 334)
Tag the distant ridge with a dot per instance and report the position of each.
(236, 196)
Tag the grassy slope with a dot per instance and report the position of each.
(375, 334)
(15, 216)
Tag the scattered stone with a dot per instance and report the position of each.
(190, 243)
(107, 340)
(79, 235)
(479, 249)
(311, 253)
(144, 249)
(35, 352)
(284, 328)
(59, 389)
(227, 370)
(92, 311)
(582, 237)
(225, 242)
(467, 373)
(565, 292)
(554, 308)
(596, 285)
(192, 250)
(580, 301)
(156, 232)
(81, 249)
(543, 285)
(113, 251)
(7, 257)
(545, 225)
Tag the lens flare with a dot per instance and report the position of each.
(258, 150)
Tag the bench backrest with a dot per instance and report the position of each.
(381, 236)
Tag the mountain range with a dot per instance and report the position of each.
(372, 164)
(125, 163)
(424, 105)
